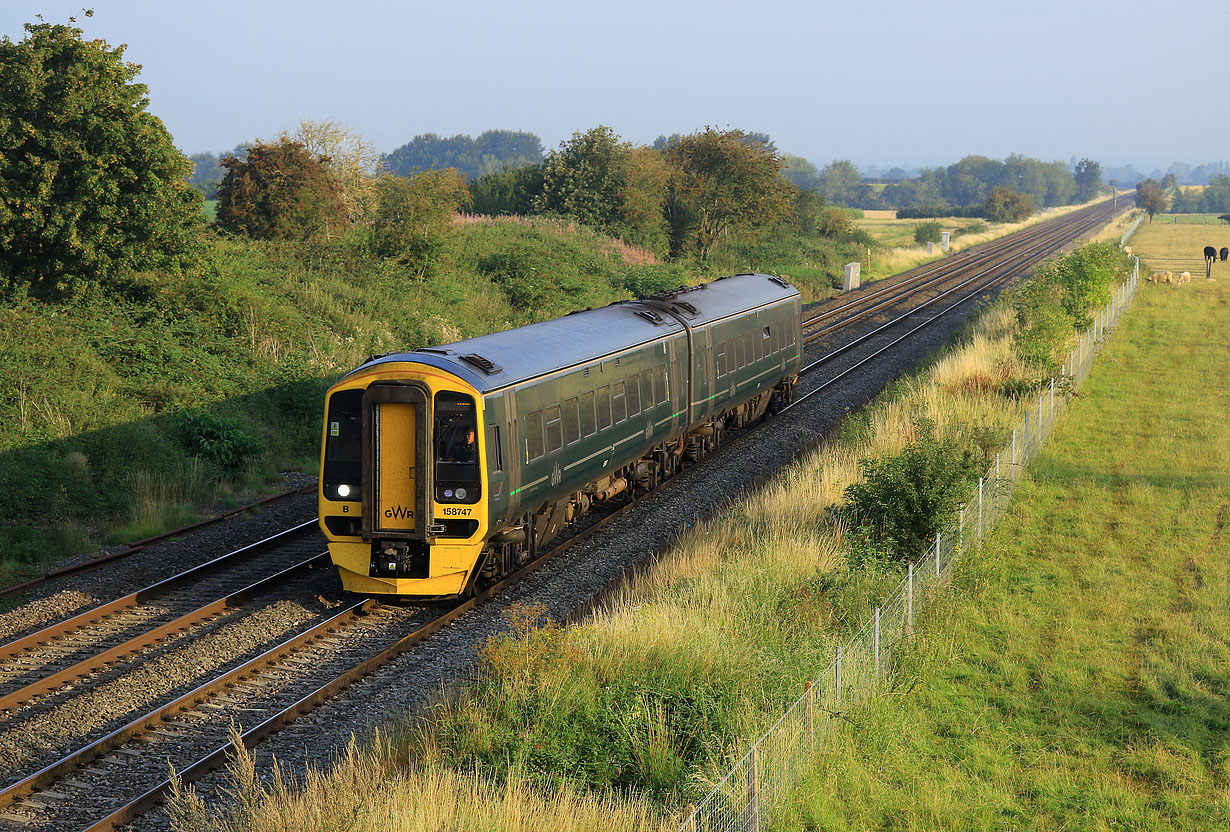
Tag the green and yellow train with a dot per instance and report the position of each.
(448, 467)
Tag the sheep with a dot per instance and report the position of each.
(1160, 277)
(1185, 277)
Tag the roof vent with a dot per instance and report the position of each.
(651, 316)
(485, 364)
(687, 307)
(779, 281)
(435, 350)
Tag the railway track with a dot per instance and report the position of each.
(122, 771)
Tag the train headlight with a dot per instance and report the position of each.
(343, 490)
(461, 493)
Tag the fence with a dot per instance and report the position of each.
(775, 762)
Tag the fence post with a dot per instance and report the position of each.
(753, 792)
(1040, 422)
(937, 556)
(1052, 400)
(1026, 442)
(1012, 468)
(961, 533)
(877, 642)
(909, 598)
(837, 675)
(997, 468)
(809, 712)
(980, 509)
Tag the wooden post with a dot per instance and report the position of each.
(753, 792)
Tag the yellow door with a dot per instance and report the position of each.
(395, 471)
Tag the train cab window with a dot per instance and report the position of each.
(604, 407)
(647, 388)
(660, 393)
(555, 431)
(455, 440)
(572, 422)
(634, 396)
(343, 471)
(619, 402)
(589, 425)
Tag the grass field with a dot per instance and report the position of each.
(1189, 219)
(1079, 676)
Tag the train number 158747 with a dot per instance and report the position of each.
(450, 511)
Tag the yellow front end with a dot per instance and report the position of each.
(375, 506)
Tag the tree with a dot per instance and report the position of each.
(491, 152)
(280, 191)
(1170, 182)
(351, 161)
(833, 221)
(91, 185)
(720, 183)
(1088, 179)
(587, 178)
(801, 173)
(510, 191)
(1004, 205)
(1151, 197)
(839, 181)
(413, 215)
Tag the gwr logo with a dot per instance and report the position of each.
(399, 513)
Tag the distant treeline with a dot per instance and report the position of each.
(491, 152)
(1212, 199)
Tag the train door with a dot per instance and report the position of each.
(396, 483)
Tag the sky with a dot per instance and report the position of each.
(883, 82)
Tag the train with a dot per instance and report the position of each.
(447, 468)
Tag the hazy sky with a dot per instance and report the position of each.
(878, 81)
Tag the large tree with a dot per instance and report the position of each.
(839, 181)
(1151, 197)
(721, 183)
(91, 185)
(1088, 179)
(280, 191)
(587, 178)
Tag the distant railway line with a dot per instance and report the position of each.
(254, 638)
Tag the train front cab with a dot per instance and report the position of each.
(401, 496)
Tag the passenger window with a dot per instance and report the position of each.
(604, 407)
(749, 347)
(555, 433)
(740, 355)
(634, 396)
(533, 436)
(721, 360)
(572, 423)
(619, 403)
(647, 388)
(659, 384)
(588, 425)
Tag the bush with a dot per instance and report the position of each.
(280, 191)
(905, 499)
(217, 439)
(414, 215)
(927, 232)
(646, 280)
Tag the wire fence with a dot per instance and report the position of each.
(772, 766)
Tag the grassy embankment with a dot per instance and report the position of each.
(646, 704)
(1079, 678)
(899, 252)
(90, 445)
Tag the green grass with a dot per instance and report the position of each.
(1189, 219)
(1079, 676)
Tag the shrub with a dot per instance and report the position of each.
(217, 439)
(280, 191)
(833, 222)
(648, 279)
(927, 232)
(414, 214)
(905, 499)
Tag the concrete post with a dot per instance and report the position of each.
(877, 642)
(944, 238)
(930, 249)
(850, 281)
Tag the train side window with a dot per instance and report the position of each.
(604, 407)
(740, 353)
(533, 436)
(619, 402)
(589, 426)
(634, 396)
(647, 388)
(749, 347)
(659, 384)
(721, 359)
(572, 421)
(555, 432)
(497, 451)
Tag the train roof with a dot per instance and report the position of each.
(491, 362)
